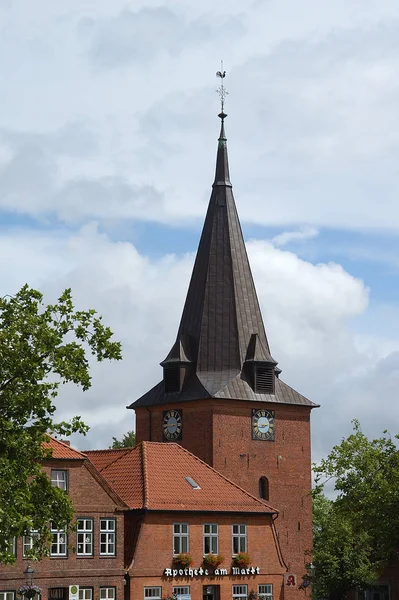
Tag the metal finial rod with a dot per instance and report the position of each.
(222, 90)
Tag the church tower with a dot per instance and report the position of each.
(221, 395)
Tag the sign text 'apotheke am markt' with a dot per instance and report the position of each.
(205, 572)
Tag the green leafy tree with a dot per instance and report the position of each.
(41, 348)
(356, 534)
(128, 441)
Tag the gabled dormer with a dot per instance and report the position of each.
(175, 368)
(259, 367)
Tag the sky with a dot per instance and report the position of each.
(108, 136)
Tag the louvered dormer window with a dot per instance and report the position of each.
(171, 378)
(264, 379)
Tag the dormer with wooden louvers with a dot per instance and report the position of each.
(175, 369)
(221, 349)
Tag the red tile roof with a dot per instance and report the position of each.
(153, 476)
(62, 450)
(102, 458)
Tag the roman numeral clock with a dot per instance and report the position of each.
(172, 425)
(263, 425)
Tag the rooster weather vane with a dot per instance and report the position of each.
(222, 90)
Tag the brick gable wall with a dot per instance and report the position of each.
(154, 552)
(91, 501)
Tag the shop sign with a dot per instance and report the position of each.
(289, 580)
(188, 572)
(73, 592)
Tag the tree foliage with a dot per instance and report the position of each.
(356, 534)
(41, 348)
(128, 441)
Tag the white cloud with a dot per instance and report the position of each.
(313, 139)
(142, 35)
(312, 128)
(306, 233)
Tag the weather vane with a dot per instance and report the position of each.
(222, 90)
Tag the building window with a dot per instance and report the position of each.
(180, 538)
(240, 592)
(7, 595)
(84, 537)
(58, 593)
(239, 538)
(264, 488)
(265, 591)
(377, 592)
(85, 593)
(59, 479)
(107, 593)
(12, 547)
(182, 592)
(28, 543)
(107, 538)
(153, 592)
(59, 542)
(210, 538)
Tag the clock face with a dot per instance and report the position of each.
(263, 423)
(172, 425)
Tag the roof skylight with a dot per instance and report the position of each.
(193, 483)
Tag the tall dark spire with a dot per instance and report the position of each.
(221, 312)
(221, 349)
(222, 175)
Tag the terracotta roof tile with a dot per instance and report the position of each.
(104, 484)
(62, 450)
(102, 458)
(153, 476)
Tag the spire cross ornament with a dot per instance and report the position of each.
(222, 90)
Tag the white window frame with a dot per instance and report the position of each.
(85, 593)
(60, 540)
(238, 535)
(108, 536)
(181, 534)
(240, 592)
(181, 590)
(7, 595)
(59, 479)
(107, 593)
(84, 537)
(211, 534)
(28, 541)
(12, 549)
(267, 592)
(157, 595)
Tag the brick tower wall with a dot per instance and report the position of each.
(286, 463)
(219, 432)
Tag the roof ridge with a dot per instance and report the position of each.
(128, 450)
(145, 473)
(274, 510)
(103, 482)
(68, 446)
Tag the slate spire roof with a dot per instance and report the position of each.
(221, 329)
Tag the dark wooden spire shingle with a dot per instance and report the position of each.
(221, 328)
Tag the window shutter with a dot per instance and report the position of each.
(171, 377)
(264, 380)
